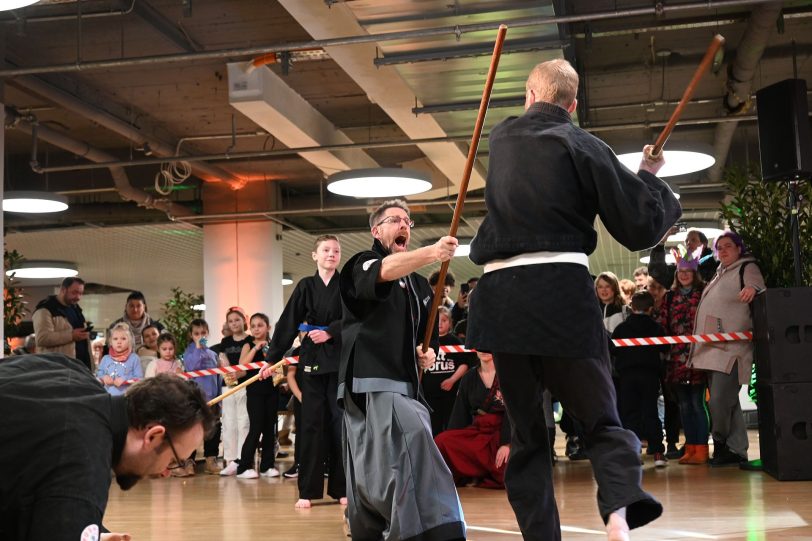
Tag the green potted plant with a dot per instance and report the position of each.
(179, 313)
(14, 309)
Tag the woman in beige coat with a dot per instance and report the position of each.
(725, 307)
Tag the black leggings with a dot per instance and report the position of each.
(262, 416)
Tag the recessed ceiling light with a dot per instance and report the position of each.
(677, 162)
(6, 5)
(378, 182)
(287, 279)
(669, 258)
(43, 269)
(33, 202)
(710, 232)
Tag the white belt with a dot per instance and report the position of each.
(538, 258)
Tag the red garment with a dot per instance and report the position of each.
(677, 316)
(471, 452)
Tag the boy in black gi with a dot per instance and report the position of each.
(399, 486)
(535, 306)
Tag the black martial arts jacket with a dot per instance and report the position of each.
(382, 325)
(61, 435)
(547, 181)
(316, 304)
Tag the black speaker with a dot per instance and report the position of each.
(784, 133)
(782, 332)
(785, 430)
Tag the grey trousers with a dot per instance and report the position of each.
(727, 419)
(398, 485)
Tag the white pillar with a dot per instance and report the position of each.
(242, 266)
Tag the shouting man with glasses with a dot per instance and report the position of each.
(63, 435)
(398, 484)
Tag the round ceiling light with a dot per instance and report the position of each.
(378, 182)
(677, 162)
(669, 258)
(43, 269)
(287, 279)
(464, 247)
(6, 5)
(710, 232)
(33, 202)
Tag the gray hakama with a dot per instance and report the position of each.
(398, 485)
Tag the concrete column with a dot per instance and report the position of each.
(242, 261)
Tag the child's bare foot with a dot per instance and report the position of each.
(343, 501)
(617, 529)
(302, 504)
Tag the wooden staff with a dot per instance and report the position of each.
(704, 66)
(469, 166)
(244, 384)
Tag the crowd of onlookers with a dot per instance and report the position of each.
(659, 388)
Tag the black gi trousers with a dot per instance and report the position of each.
(585, 389)
(319, 437)
(639, 390)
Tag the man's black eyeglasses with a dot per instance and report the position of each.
(396, 220)
(178, 462)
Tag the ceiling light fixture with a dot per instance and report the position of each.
(464, 247)
(677, 162)
(287, 279)
(378, 182)
(43, 269)
(669, 258)
(679, 236)
(6, 5)
(33, 202)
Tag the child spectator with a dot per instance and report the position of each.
(148, 351)
(120, 364)
(476, 445)
(440, 382)
(235, 411)
(167, 361)
(197, 357)
(262, 401)
(638, 370)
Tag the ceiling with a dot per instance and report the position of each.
(157, 71)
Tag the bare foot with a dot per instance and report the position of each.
(617, 529)
(343, 501)
(302, 504)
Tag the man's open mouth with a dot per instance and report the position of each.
(400, 240)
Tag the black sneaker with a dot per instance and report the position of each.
(293, 472)
(726, 458)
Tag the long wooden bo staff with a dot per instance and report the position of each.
(469, 166)
(715, 44)
(244, 384)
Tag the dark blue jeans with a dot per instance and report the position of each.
(693, 413)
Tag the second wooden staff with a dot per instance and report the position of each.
(463, 187)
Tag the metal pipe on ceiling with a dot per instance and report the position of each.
(125, 129)
(122, 183)
(55, 18)
(455, 30)
(740, 78)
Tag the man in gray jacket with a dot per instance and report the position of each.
(60, 326)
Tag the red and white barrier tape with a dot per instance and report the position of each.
(620, 342)
(689, 339)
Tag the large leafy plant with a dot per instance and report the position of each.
(758, 212)
(179, 313)
(14, 309)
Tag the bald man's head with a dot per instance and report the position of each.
(554, 81)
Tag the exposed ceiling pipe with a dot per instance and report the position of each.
(122, 183)
(657, 10)
(740, 79)
(126, 130)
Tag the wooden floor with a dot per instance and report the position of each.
(700, 503)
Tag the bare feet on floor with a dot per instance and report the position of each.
(343, 501)
(617, 529)
(303, 504)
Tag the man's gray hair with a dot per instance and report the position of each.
(375, 217)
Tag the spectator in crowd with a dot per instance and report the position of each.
(60, 326)
(627, 289)
(120, 364)
(70, 438)
(449, 285)
(148, 351)
(476, 445)
(136, 316)
(441, 379)
(262, 400)
(197, 357)
(638, 370)
(97, 350)
(459, 311)
(167, 361)
(235, 409)
(607, 288)
(640, 275)
(725, 307)
(26, 344)
(695, 239)
(677, 315)
(315, 309)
